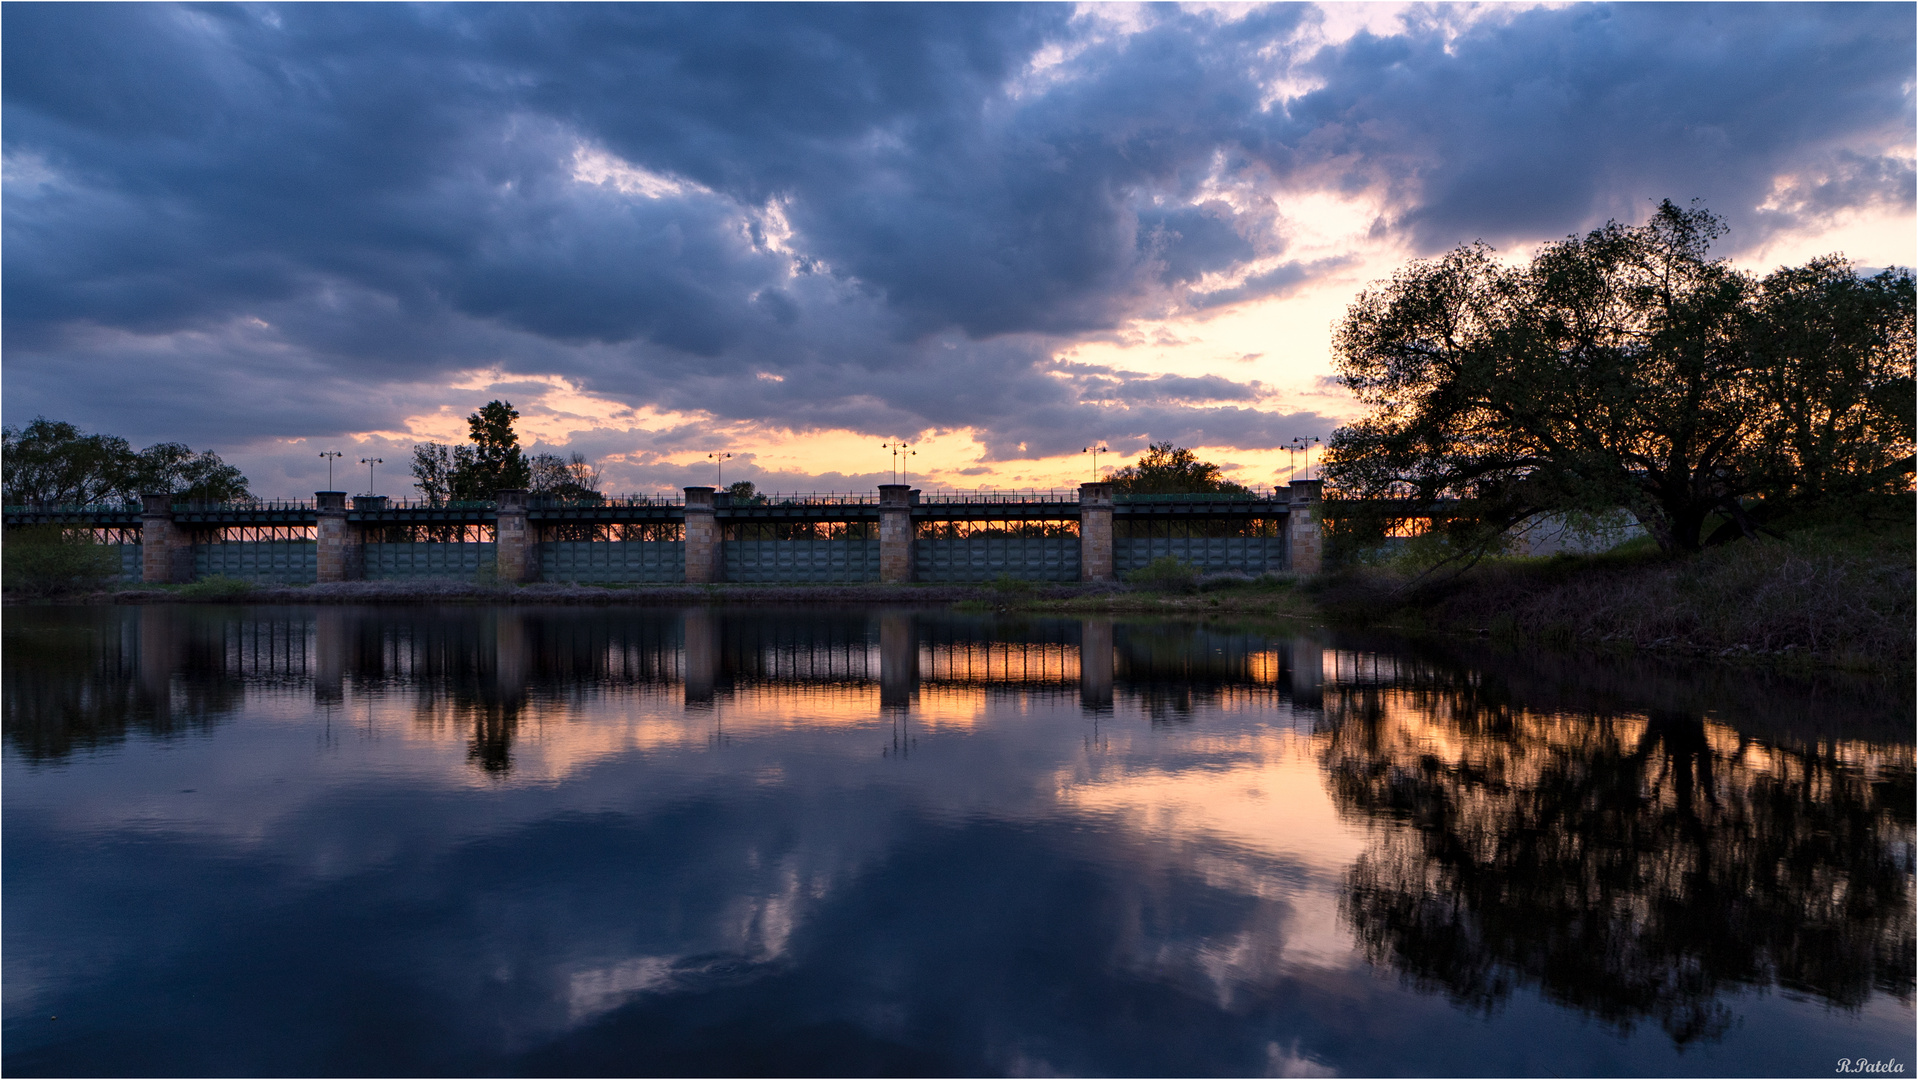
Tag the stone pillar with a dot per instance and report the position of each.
(895, 533)
(1305, 538)
(1095, 532)
(515, 556)
(332, 535)
(354, 542)
(156, 539)
(1095, 665)
(702, 538)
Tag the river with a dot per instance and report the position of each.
(481, 841)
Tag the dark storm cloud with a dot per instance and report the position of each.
(1540, 123)
(1281, 279)
(227, 222)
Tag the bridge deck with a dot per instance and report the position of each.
(222, 517)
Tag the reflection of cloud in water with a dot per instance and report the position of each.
(750, 930)
(1247, 815)
(1288, 1061)
(598, 990)
(1259, 791)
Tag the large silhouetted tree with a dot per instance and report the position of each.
(1626, 369)
(490, 462)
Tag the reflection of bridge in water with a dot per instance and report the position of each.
(508, 654)
(163, 669)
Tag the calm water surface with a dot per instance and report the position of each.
(330, 840)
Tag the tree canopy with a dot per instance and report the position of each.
(492, 461)
(1626, 369)
(574, 477)
(1168, 470)
(54, 463)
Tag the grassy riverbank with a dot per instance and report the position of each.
(1835, 595)
(1260, 597)
(1269, 597)
(231, 591)
(1829, 596)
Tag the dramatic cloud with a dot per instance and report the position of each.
(236, 225)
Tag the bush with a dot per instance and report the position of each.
(1006, 583)
(1165, 574)
(1237, 581)
(46, 560)
(218, 587)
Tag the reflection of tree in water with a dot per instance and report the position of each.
(492, 723)
(1630, 867)
(466, 673)
(495, 723)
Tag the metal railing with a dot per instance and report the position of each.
(556, 502)
(247, 505)
(803, 498)
(999, 495)
(1248, 495)
(132, 507)
(390, 503)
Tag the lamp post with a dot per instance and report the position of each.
(901, 450)
(330, 456)
(1095, 451)
(1303, 446)
(369, 462)
(718, 459)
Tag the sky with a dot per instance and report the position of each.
(1001, 233)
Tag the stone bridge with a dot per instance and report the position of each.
(894, 535)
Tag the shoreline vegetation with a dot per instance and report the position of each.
(1838, 596)
(1841, 596)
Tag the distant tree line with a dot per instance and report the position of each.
(1165, 469)
(492, 461)
(1625, 369)
(54, 463)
